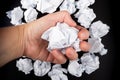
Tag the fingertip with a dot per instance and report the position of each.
(58, 56)
(84, 46)
(83, 34)
(71, 53)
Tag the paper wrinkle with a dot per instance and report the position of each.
(61, 36)
(68, 5)
(30, 14)
(59, 67)
(26, 4)
(96, 45)
(76, 69)
(85, 16)
(15, 15)
(59, 77)
(90, 62)
(48, 6)
(80, 4)
(76, 45)
(24, 65)
(57, 73)
(41, 68)
(99, 29)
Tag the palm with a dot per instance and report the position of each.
(36, 49)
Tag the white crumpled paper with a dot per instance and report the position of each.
(68, 5)
(90, 62)
(80, 4)
(48, 6)
(24, 65)
(15, 15)
(99, 29)
(57, 73)
(103, 51)
(61, 36)
(30, 14)
(96, 45)
(85, 17)
(28, 3)
(41, 68)
(75, 68)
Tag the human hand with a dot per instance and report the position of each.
(35, 47)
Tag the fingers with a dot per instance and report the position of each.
(50, 58)
(58, 57)
(83, 34)
(63, 16)
(84, 46)
(71, 53)
(78, 27)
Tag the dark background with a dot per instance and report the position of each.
(103, 11)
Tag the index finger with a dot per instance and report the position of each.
(64, 16)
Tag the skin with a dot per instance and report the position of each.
(24, 40)
(83, 34)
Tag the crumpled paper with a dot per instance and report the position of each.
(15, 15)
(90, 62)
(57, 73)
(48, 6)
(80, 4)
(28, 3)
(24, 65)
(96, 45)
(61, 36)
(30, 14)
(75, 68)
(85, 17)
(68, 5)
(99, 29)
(103, 51)
(41, 68)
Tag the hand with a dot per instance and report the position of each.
(35, 47)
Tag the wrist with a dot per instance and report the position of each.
(21, 39)
(12, 41)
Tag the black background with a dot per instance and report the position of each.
(103, 11)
